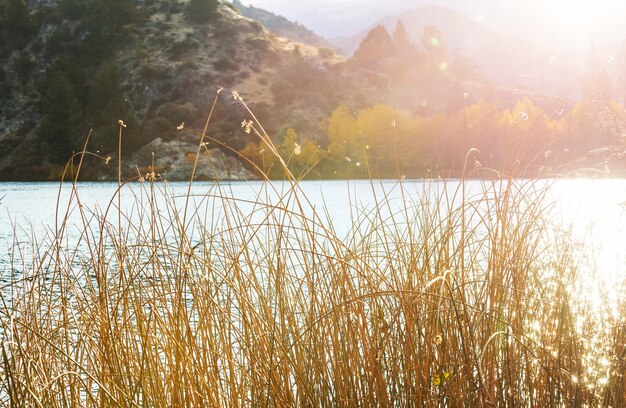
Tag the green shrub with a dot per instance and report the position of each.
(161, 127)
(25, 128)
(259, 45)
(61, 125)
(226, 31)
(72, 9)
(225, 64)
(3, 80)
(153, 73)
(177, 113)
(23, 66)
(165, 6)
(283, 91)
(189, 64)
(180, 48)
(16, 24)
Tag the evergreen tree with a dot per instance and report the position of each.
(5, 89)
(623, 73)
(596, 84)
(106, 23)
(106, 106)
(72, 9)
(107, 17)
(401, 38)
(15, 22)
(463, 68)
(202, 11)
(434, 46)
(376, 45)
(104, 96)
(61, 125)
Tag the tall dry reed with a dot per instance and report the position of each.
(449, 299)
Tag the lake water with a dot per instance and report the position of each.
(594, 210)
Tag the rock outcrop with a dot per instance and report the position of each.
(174, 160)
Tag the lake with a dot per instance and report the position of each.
(245, 245)
(594, 210)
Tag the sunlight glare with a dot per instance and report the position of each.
(597, 290)
(603, 240)
(579, 20)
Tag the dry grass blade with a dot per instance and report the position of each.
(455, 296)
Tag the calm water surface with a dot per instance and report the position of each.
(595, 210)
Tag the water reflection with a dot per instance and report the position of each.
(595, 211)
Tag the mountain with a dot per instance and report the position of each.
(282, 26)
(505, 60)
(69, 67)
(73, 71)
(332, 18)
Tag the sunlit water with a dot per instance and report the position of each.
(594, 211)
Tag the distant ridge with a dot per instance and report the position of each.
(505, 59)
(451, 22)
(282, 26)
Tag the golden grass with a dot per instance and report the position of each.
(449, 299)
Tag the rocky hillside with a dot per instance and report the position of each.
(75, 66)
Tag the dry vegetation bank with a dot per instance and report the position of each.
(449, 300)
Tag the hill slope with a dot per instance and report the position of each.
(282, 26)
(81, 66)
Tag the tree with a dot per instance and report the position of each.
(406, 52)
(202, 11)
(463, 68)
(107, 23)
(623, 73)
(376, 45)
(596, 84)
(5, 88)
(105, 95)
(107, 17)
(528, 133)
(72, 9)
(401, 38)
(106, 106)
(457, 98)
(261, 156)
(588, 127)
(391, 142)
(300, 155)
(434, 46)
(343, 135)
(479, 129)
(345, 145)
(15, 22)
(60, 128)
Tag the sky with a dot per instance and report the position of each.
(565, 23)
